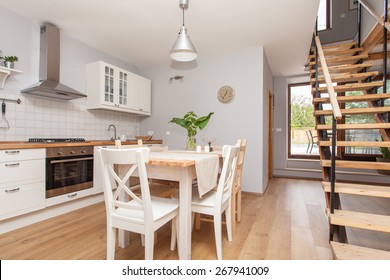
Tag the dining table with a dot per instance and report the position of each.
(184, 167)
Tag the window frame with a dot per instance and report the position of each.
(289, 155)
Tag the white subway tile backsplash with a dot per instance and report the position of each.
(38, 117)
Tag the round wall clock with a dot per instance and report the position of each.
(225, 94)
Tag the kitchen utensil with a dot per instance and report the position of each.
(3, 122)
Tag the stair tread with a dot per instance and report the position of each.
(342, 251)
(372, 165)
(342, 60)
(359, 189)
(354, 98)
(349, 77)
(360, 220)
(356, 143)
(346, 45)
(355, 111)
(352, 87)
(333, 52)
(355, 126)
(348, 68)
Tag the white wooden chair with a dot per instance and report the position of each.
(143, 214)
(237, 185)
(214, 203)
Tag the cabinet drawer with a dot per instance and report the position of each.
(18, 200)
(27, 171)
(22, 154)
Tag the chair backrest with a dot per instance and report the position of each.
(228, 173)
(118, 165)
(240, 160)
(158, 148)
(310, 136)
(118, 145)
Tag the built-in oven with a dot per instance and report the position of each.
(68, 168)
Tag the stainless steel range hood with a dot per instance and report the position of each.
(49, 68)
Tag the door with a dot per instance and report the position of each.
(270, 135)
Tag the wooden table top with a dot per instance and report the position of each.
(175, 162)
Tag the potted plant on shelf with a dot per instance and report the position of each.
(385, 158)
(191, 123)
(9, 61)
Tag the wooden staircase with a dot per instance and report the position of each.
(348, 68)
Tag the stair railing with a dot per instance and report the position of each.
(336, 114)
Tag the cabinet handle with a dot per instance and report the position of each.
(12, 190)
(72, 195)
(12, 164)
(12, 152)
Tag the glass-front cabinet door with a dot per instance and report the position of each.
(123, 95)
(109, 85)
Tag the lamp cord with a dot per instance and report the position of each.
(183, 16)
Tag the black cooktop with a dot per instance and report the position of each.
(56, 140)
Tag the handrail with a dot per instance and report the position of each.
(374, 15)
(332, 94)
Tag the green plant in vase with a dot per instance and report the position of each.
(9, 60)
(191, 123)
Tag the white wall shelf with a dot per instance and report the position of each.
(5, 73)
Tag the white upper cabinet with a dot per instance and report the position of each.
(110, 87)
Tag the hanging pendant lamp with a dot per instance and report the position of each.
(183, 50)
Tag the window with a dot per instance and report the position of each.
(302, 134)
(323, 16)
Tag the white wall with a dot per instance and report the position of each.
(268, 80)
(38, 117)
(242, 118)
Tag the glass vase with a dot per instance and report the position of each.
(191, 143)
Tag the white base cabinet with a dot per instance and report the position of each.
(22, 185)
(112, 88)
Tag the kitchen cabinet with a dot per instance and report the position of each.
(112, 88)
(140, 94)
(22, 183)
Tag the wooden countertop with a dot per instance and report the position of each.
(12, 145)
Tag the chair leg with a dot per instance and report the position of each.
(218, 234)
(111, 236)
(229, 222)
(143, 239)
(197, 221)
(233, 211)
(173, 234)
(193, 216)
(239, 205)
(149, 245)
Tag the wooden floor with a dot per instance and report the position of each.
(288, 222)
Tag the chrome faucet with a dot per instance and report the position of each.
(111, 125)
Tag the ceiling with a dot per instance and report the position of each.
(142, 32)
